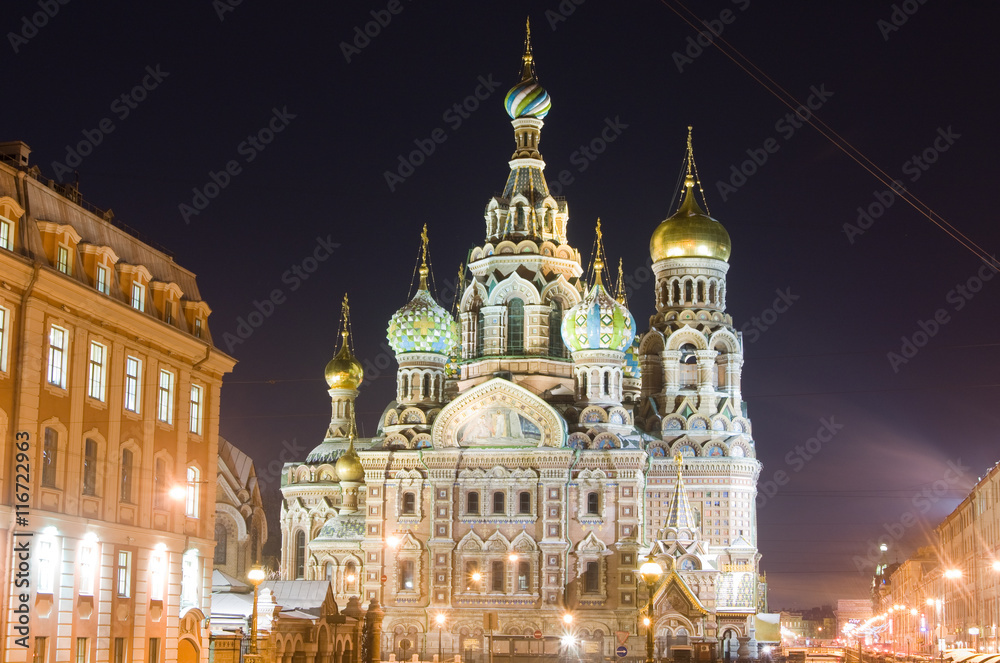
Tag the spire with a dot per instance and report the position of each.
(528, 62)
(679, 515)
(688, 202)
(423, 258)
(344, 370)
(459, 290)
(620, 286)
(599, 257)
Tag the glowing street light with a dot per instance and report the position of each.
(255, 576)
(650, 572)
(953, 574)
(439, 619)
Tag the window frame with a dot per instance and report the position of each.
(97, 371)
(63, 262)
(101, 281)
(6, 234)
(137, 298)
(497, 576)
(4, 337)
(524, 503)
(499, 497)
(132, 400)
(125, 476)
(123, 574)
(192, 493)
(473, 496)
(90, 465)
(165, 397)
(591, 577)
(407, 572)
(409, 504)
(57, 368)
(515, 326)
(196, 404)
(50, 457)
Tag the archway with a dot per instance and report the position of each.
(187, 652)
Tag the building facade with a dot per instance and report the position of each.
(240, 525)
(540, 447)
(109, 403)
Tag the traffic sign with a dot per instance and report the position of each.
(384, 578)
(538, 635)
(622, 651)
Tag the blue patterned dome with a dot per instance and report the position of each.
(632, 368)
(422, 326)
(598, 323)
(527, 99)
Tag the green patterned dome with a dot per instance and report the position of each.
(598, 323)
(349, 527)
(422, 326)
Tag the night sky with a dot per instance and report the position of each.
(899, 438)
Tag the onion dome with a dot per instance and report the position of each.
(598, 322)
(350, 527)
(527, 98)
(632, 368)
(690, 232)
(344, 370)
(349, 466)
(422, 325)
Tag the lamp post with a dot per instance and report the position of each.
(256, 576)
(650, 572)
(440, 622)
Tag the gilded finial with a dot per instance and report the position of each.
(528, 68)
(459, 289)
(345, 320)
(598, 254)
(620, 286)
(691, 172)
(423, 258)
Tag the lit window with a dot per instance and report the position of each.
(138, 296)
(157, 574)
(124, 572)
(154, 650)
(119, 650)
(90, 467)
(133, 372)
(191, 502)
(41, 649)
(406, 575)
(197, 327)
(126, 477)
(165, 403)
(58, 344)
(300, 555)
(4, 333)
(6, 233)
(46, 564)
(50, 457)
(62, 259)
(101, 281)
(97, 371)
(195, 426)
(523, 571)
(88, 560)
(189, 579)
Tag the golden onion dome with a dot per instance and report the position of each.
(690, 233)
(344, 370)
(349, 466)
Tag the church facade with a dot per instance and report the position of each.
(541, 447)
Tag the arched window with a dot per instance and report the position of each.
(498, 502)
(591, 578)
(472, 503)
(524, 502)
(480, 333)
(300, 555)
(50, 457)
(515, 327)
(593, 504)
(126, 478)
(90, 467)
(220, 544)
(688, 292)
(607, 383)
(556, 346)
(427, 386)
(409, 503)
(523, 573)
(496, 576)
(350, 577)
(328, 571)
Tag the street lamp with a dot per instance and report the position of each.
(256, 576)
(650, 572)
(439, 618)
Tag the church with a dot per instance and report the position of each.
(542, 447)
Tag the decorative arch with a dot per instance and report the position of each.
(513, 287)
(485, 405)
(561, 288)
(726, 339)
(237, 518)
(687, 334)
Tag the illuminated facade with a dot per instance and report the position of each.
(539, 447)
(107, 364)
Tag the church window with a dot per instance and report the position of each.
(593, 507)
(498, 503)
(524, 502)
(496, 574)
(556, 346)
(515, 327)
(427, 386)
(406, 575)
(590, 578)
(480, 333)
(472, 503)
(409, 503)
(523, 571)
(300, 555)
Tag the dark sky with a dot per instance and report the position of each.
(823, 361)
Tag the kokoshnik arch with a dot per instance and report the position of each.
(540, 447)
